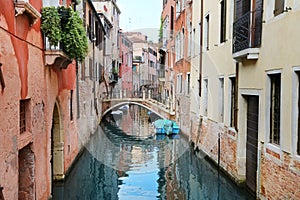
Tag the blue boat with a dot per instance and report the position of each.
(166, 126)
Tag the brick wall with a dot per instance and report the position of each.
(205, 138)
(280, 176)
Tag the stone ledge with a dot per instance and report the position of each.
(23, 7)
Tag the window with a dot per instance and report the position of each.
(178, 8)
(232, 101)
(223, 21)
(177, 47)
(221, 99)
(180, 83)
(24, 115)
(172, 20)
(188, 83)
(279, 7)
(275, 108)
(206, 32)
(241, 8)
(205, 97)
(182, 44)
(190, 40)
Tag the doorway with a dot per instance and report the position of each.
(252, 142)
(57, 146)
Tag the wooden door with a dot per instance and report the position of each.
(252, 142)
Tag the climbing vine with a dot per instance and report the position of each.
(51, 23)
(64, 25)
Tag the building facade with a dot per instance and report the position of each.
(91, 81)
(244, 113)
(145, 59)
(38, 89)
(125, 71)
(182, 64)
(109, 13)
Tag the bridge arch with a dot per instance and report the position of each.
(130, 103)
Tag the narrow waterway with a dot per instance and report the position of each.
(126, 160)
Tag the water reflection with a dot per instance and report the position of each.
(125, 160)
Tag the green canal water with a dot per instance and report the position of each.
(126, 160)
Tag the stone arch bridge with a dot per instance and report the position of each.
(154, 106)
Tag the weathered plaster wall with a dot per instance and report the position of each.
(27, 77)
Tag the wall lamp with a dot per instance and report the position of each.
(1, 77)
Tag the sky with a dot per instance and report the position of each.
(141, 15)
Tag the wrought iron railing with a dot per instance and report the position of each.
(241, 33)
(247, 30)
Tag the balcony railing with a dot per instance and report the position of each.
(113, 78)
(54, 55)
(241, 33)
(247, 34)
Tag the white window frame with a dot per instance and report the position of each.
(268, 107)
(205, 97)
(295, 111)
(229, 98)
(221, 98)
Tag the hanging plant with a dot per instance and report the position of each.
(74, 38)
(64, 25)
(51, 23)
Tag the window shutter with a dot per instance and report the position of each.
(279, 7)
(238, 9)
(258, 22)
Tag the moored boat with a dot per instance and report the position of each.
(166, 126)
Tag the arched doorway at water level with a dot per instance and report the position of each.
(57, 147)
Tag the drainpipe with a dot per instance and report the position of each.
(201, 44)
(236, 96)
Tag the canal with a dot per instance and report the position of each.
(125, 160)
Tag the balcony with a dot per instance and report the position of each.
(55, 57)
(247, 36)
(113, 78)
(24, 7)
(162, 73)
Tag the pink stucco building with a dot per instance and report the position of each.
(125, 69)
(38, 127)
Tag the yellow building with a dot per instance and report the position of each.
(249, 69)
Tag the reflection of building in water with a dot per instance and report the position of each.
(169, 182)
(80, 178)
(135, 122)
(124, 159)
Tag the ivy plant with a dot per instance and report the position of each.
(64, 25)
(51, 23)
(74, 38)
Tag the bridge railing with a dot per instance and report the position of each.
(155, 99)
(121, 94)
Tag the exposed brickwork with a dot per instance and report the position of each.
(206, 139)
(280, 180)
(272, 153)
